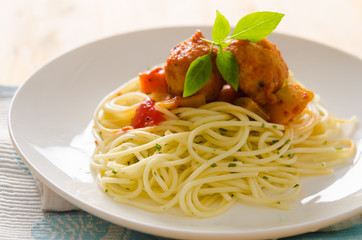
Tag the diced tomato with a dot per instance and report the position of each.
(146, 115)
(153, 81)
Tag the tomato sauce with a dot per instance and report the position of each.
(146, 115)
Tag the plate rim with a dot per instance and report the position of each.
(167, 232)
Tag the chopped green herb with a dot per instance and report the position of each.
(114, 171)
(106, 190)
(325, 142)
(158, 147)
(275, 141)
(265, 177)
(278, 152)
(198, 142)
(290, 155)
(198, 139)
(278, 202)
(296, 185)
(232, 165)
(288, 141)
(223, 129)
(128, 163)
(100, 133)
(235, 159)
(213, 165)
(154, 173)
(275, 126)
(136, 160)
(339, 148)
(281, 156)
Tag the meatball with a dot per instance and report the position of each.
(262, 70)
(179, 61)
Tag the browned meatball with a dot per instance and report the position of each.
(262, 69)
(179, 61)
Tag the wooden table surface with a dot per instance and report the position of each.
(33, 32)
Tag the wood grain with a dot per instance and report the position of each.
(33, 32)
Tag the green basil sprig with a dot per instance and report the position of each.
(253, 27)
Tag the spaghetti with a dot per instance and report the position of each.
(205, 159)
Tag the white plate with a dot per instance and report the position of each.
(50, 119)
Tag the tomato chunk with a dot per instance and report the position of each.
(146, 115)
(291, 100)
(153, 81)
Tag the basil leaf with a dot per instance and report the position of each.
(197, 75)
(228, 67)
(221, 28)
(256, 26)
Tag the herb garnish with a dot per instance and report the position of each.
(232, 165)
(253, 27)
(158, 147)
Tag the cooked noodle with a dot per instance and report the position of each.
(204, 159)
